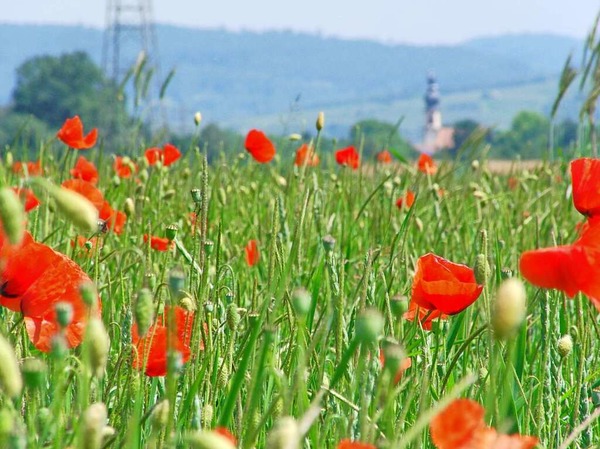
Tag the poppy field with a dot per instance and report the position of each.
(293, 297)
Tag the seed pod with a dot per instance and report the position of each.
(10, 375)
(12, 215)
(98, 346)
(64, 314)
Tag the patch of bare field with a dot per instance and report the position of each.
(507, 166)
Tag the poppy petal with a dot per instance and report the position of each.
(170, 154)
(259, 146)
(585, 178)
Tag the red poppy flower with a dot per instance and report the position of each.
(443, 285)
(124, 167)
(33, 168)
(85, 170)
(407, 200)
(512, 183)
(114, 219)
(461, 425)
(87, 190)
(34, 289)
(305, 155)
(570, 268)
(227, 434)
(384, 157)
(252, 253)
(585, 178)
(426, 164)
(349, 444)
(153, 347)
(71, 134)
(348, 156)
(259, 146)
(404, 365)
(169, 154)
(158, 243)
(28, 197)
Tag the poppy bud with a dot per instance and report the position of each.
(129, 207)
(369, 326)
(565, 345)
(34, 372)
(506, 273)
(160, 415)
(74, 206)
(116, 181)
(94, 421)
(222, 196)
(509, 308)
(209, 246)
(88, 294)
(292, 137)
(475, 165)
(9, 159)
(64, 314)
(196, 196)
(197, 118)
(399, 305)
(328, 243)
(481, 269)
(233, 316)
(10, 376)
(144, 311)
(12, 215)
(208, 439)
(320, 121)
(98, 346)
(301, 302)
(284, 435)
(171, 232)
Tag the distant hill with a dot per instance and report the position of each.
(279, 79)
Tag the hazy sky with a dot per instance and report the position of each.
(414, 21)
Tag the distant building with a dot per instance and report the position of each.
(435, 136)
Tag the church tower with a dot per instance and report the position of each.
(435, 136)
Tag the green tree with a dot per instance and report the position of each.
(527, 137)
(53, 88)
(377, 136)
(21, 131)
